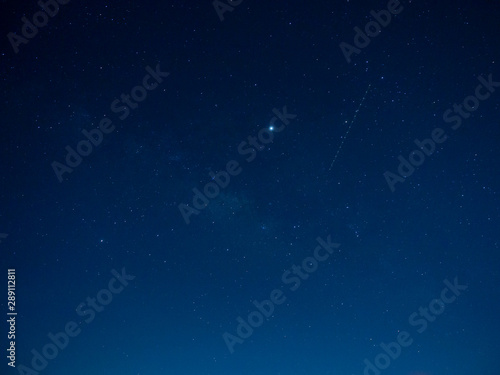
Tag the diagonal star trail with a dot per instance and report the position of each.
(349, 128)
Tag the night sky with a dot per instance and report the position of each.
(254, 188)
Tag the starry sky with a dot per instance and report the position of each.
(254, 188)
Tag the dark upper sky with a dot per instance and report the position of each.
(295, 166)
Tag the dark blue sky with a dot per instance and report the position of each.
(199, 191)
